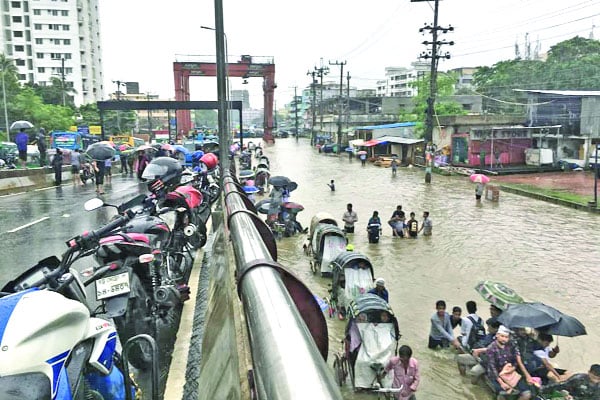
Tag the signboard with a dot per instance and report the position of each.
(477, 134)
(95, 129)
(83, 129)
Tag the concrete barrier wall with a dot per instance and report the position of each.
(23, 180)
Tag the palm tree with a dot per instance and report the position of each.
(7, 69)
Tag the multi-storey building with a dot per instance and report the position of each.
(397, 80)
(55, 38)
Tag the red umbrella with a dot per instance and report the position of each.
(479, 178)
(360, 153)
(167, 147)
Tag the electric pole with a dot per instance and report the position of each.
(321, 71)
(434, 55)
(313, 106)
(348, 99)
(62, 79)
(340, 104)
(296, 111)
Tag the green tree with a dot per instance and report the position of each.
(53, 93)
(573, 64)
(30, 107)
(10, 86)
(207, 118)
(444, 105)
(88, 114)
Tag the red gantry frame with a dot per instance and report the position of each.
(247, 67)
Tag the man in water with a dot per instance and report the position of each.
(413, 226)
(441, 333)
(397, 222)
(427, 225)
(349, 219)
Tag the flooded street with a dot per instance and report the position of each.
(544, 252)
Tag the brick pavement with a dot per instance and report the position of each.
(578, 182)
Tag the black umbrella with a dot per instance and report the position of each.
(566, 326)
(263, 206)
(292, 186)
(100, 151)
(279, 181)
(532, 315)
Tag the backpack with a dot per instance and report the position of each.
(477, 331)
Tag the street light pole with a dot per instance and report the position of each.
(221, 84)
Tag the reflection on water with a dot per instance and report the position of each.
(543, 251)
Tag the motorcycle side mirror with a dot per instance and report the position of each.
(93, 204)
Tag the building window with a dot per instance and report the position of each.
(53, 12)
(15, 4)
(39, 41)
(64, 13)
(19, 48)
(39, 55)
(68, 70)
(67, 41)
(41, 70)
(18, 33)
(17, 19)
(37, 27)
(54, 27)
(22, 77)
(20, 63)
(37, 11)
(65, 27)
(67, 56)
(42, 83)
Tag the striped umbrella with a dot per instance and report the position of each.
(498, 294)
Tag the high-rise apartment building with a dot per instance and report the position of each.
(55, 38)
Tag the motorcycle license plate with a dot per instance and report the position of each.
(112, 286)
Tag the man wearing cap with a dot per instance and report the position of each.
(500, 353)
(579, 386)
(380, 289)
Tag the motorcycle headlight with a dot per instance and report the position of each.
(30, 386)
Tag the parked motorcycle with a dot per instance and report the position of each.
(52, 346)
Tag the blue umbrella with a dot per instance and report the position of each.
(181, 149)
(349, 149)
(250, 189)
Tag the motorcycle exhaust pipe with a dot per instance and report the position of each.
(189, 230)
(167, 296)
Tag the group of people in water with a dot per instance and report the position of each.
(512, 362)
(401, 227)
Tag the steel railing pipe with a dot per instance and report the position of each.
(286, 361)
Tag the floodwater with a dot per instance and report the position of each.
(544, 252)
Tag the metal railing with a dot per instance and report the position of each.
(287, 361)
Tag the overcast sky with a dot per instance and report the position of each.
(142, 38)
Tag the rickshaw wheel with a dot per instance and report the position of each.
(340, 374)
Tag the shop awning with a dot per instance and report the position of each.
(373, 142)
(357, 142)
(400, 140)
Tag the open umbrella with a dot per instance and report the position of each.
(250, 189)
(263, 206)
(529, 315)
(181, 149)
(498, 294)
(566, 326)
(479, 178)
(124, 147)
(349, 149)
(246, 173)
(21, 125)
(167, 147)
(279, 181)
(100, 151)
(144, 147)
(360, 153)
(290, 205)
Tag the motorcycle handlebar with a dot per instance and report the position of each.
(88, 239)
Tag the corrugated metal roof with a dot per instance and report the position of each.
(385, 126)
(581, 93)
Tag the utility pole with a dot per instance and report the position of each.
(313, 106)
(340, 104)
(348, 99)
(321, 71)
(149, 118)
(296, 111)
(434, 55)
(119, 84)
(62, 79)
